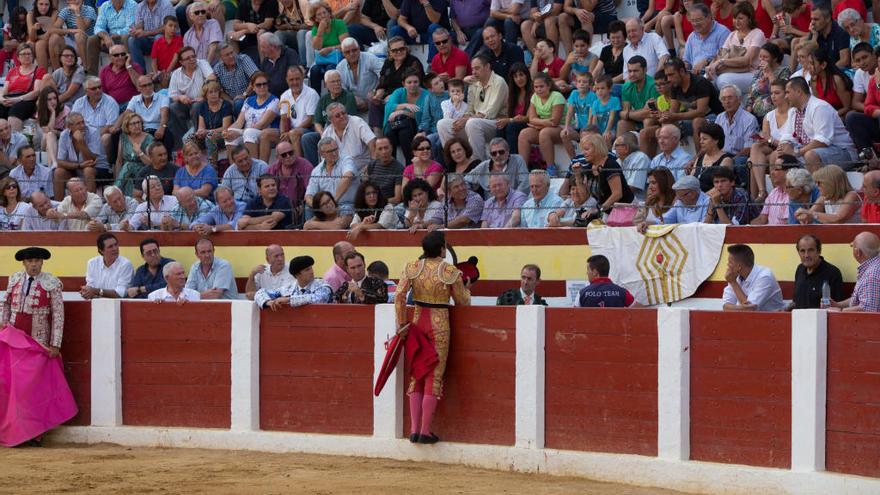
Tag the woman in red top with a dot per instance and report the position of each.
(764, 12)
(830, 84)
(722, 11)
(18, 98)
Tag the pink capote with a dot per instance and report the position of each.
(34, 395)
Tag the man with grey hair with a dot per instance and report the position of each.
(450, 61)
(463, 207)
(78, 208)
(175, 290)
(276, 59)
(337, 174)
(222, 217)
(541, 202)
(500, 162)
(115, 214)
(672, 155)
(707, 38)
(356, 139)
(738, 125)
(204, 35)
(633, 162)
(649, 45)
(498, 210)
(335, 94)
(36, 214)
(866, 293)
(359, 71)
(149, 17)
(189, 209)
(185, 91)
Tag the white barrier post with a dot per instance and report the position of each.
(530, 378)
(106, 362)
(673, 383)
(245, 366)
(388, 406)
(809, 363)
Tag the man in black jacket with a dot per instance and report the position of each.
(530, 277)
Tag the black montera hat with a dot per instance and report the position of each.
(300, 263)
(31, 253)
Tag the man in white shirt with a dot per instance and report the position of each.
(275, 274)
(648, 45)
(296, 108)
(108, 274)
(354, 136)
(185, 90)
(750, 287)
(823, 137)
(175, 289)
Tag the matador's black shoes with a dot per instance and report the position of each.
(429, 439)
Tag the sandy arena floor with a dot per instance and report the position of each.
(121, 470)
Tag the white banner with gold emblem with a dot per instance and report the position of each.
(664, 265)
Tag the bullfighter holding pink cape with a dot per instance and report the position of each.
(34, 395)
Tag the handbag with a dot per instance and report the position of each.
(400, 123)
(622, 215)
(331, 58)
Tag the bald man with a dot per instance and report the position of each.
(274, 274)
(866, 294)
(336, 275)
(871, 190)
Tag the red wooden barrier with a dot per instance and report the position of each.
(76, 351)
(479, 403)
(741, 388)
(316, 369)
(176, 364)
(852, 437)
(601, 385)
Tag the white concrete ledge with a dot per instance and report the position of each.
(696, 477)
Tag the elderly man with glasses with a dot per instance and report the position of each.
(204, 35)
(500, 163)
(153, 109)
(359, 71)
(115, 20)
(100, 112)
(336, 174)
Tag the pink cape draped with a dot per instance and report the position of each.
(34, 395)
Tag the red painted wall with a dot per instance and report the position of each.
(479, 403)
(176, 364)
(76, 352)
(316, 369)
(741, 388)
(601, 386)
(852, 438)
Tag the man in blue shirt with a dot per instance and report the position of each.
(602, 292)
(148, 277)
(211, 277)
(222, 217)
(672, 155)
(541, 202)
(703, 44)
(269, 210)
(115, 19)
(690, 204)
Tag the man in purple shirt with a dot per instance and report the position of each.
(498, 210)
(464, 208)
(467, 18)
(336, 275)
(293, 173)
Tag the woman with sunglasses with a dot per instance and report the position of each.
(18, 97)
(422, 166)
(397, 64)
(257, 124)
(372, 211)
(68, 79)
(13, 208)
(215, 116)
(403, 112)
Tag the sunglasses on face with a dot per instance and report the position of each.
(11, 186)
(482, 95)
(498, 153)
(285, 154)
(441, 42)
(200, 12)
(118, 55)
(423, 148)
(398, 49)
(260, 84)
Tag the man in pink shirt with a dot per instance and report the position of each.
(336, 275)
(775, 211)
(450, 61)
(119, 77)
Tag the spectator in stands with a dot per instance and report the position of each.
(422, 166)
(859, 31)
(764, 148)
(327, 36)
(23, 83)
(334, 174)
(500, 55)
(636, 92)
(78, 208)
(830, 83)
(150, 276)
(601, 291)
(386, 172)
(705, 41)
(242, 178)
(73, 27)
(659, 198)
(101, 112)
(277, 58)
(157, 204)
(578, 210)
(759, 100)
(291, 27)
(837, 202)
(257, 124)
(336, 275)
(604, 178)
(729, 204)
(38, 216)
(420, 199)
(866, 294)
(750, 287)
(108, 274)
(211, 277)
(672, 155)
(463, 207)
(204, 35)
(506, 16)
(272, 275)
(738, 125)
(12, 207)
(119, 77)
(31, 176)
(694, 97)
(542, 23)
(457, 155)
(487, 100)
(467, 19)
(712, 157)
(164, 51)
(432, 112)
(812, 274)
(545, 114)
(450, 61)
(293, 173)
(362, 288)
(175, 289)
(132, 157)
(519, 99)
(296, 109)
(115, 19)
(775, 210)
(526, 294)
(547, 61)
(335, 94)
(268, 210)
(68, 78)
(10, 142)
(399, 61)
(79, 154)
(536, 209)
(351, 133)
(862, 122)
(649, 46)
(214, 117)
(222, 217)
(802, 193)
(690, 202)
(403, 112)
(153, 110)
(149, 19)
(190, 207)
(501, 162)
(871, 191)
(360, 72)
(418, 20)
(185, 89)
(372, 211)
(253, 18)
(306, 290)
(195, 172)
(738, 58)
(832, 39)
(499, 207)
(234, 72)
(116, 212)
(52, 119)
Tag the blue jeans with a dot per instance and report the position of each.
(139, 47)
(182, 21)
(475, 39)
(309, 143)
(423, 38)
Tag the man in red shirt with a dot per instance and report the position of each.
(450, 61)
(871, 202)
(119, 77)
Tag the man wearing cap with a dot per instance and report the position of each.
(690, 204)
(33, 301)
(306, 290)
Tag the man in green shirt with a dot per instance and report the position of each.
(335, 94)
(635, 95)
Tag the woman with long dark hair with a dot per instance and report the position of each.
(829, 83)
(519, 97)
(372, 211)
(659, 197)
(431, 281)
(52, 118)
